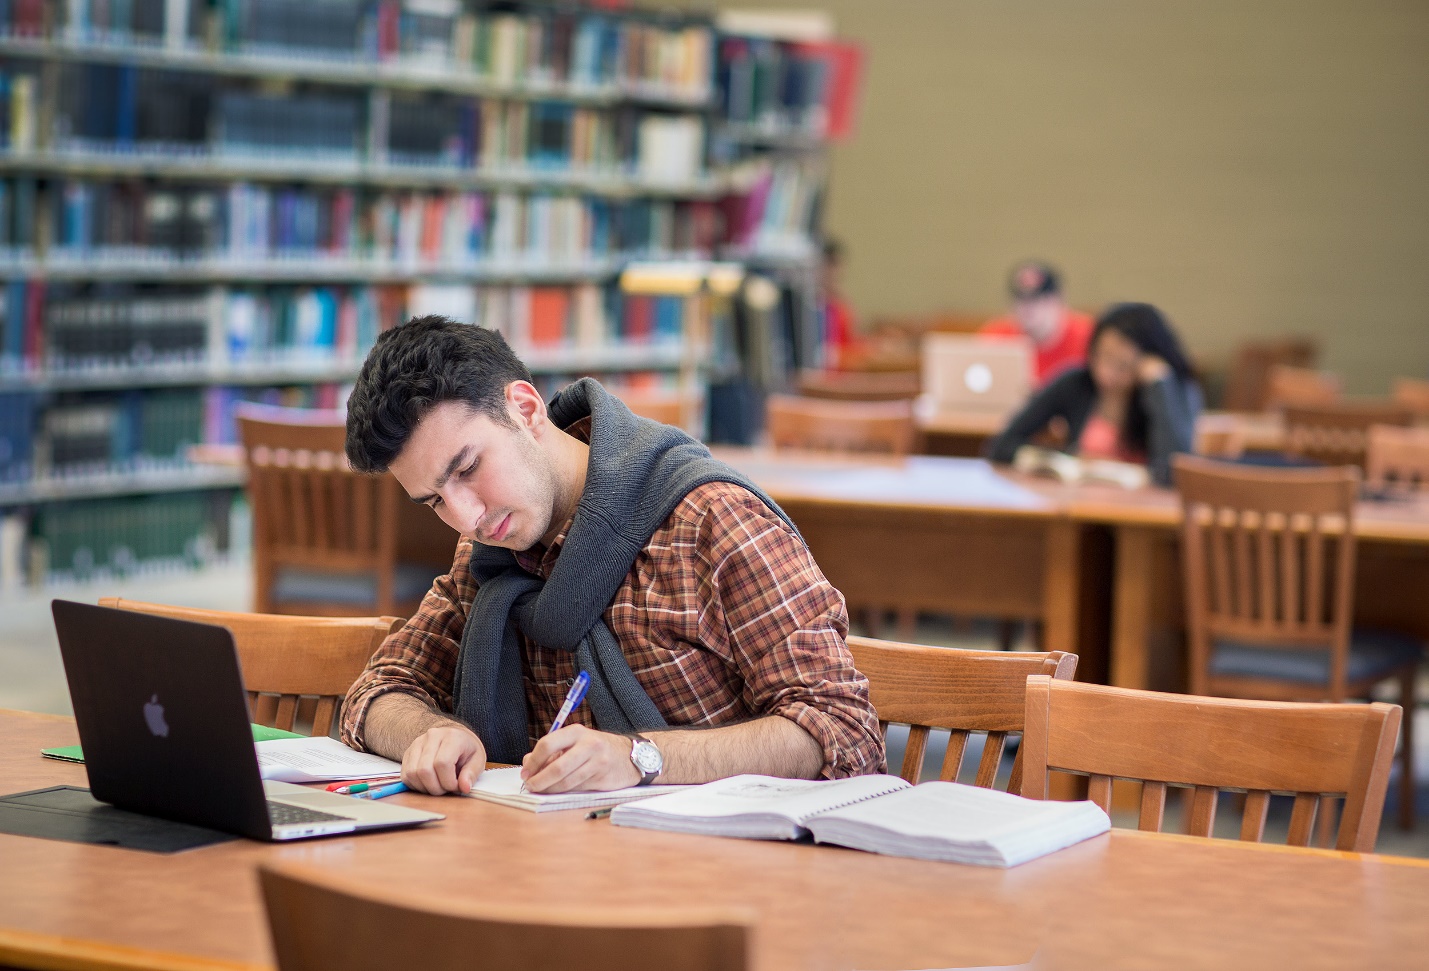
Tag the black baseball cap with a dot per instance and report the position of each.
(1033, 279)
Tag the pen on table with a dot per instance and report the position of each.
(598, 813)
(382, 792)
(573, 698)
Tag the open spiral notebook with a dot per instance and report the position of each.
(504, 786)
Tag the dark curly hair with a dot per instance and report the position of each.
(420, 364)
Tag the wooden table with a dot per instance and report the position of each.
(943, 535)
(1147, 645)
(1124, 900)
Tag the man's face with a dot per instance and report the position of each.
(1040, 317)
(487, 481)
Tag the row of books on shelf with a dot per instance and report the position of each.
(542, 45)
(75, 330)
(120, 108)
(113, 537)
(97, 438)
(105, 437)
(774, 87)
(131, 221)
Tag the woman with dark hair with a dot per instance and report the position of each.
(1135, 400)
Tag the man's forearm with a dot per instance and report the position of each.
(395, 719)
(772, 745)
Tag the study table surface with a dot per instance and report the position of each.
(1123, 900)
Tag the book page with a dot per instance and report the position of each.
(319, 760)
(955, 812)
(791, 799)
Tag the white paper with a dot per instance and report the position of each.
(319, 760)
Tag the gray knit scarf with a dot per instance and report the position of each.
(639, 471)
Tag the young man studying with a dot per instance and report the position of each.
(590, 540)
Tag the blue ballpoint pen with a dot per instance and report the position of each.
(381, 793)
(573, 698)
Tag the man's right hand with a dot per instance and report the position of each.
(445, 758)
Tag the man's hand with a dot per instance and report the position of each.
(1151, 369)
(445, 758)
(576, 758)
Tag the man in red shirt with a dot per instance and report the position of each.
(1059, 333)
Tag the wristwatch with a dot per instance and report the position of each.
(646, 758)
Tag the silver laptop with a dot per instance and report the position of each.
(965, 372)
(163, 720)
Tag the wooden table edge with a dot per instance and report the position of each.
(55, 952)
(1388, 859)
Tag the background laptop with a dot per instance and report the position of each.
(965, 372)
(163, 720)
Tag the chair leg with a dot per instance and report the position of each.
(1007, 634)
(906, 624)
(1407, 788)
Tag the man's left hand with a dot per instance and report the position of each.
(576, 758)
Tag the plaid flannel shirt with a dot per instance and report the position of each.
(724, 617)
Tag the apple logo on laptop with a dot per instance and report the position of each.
(154, 716)
(978, 378)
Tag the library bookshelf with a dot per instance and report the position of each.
(205, 202)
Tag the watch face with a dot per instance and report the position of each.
(646, 757)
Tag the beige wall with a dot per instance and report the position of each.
(1252, 167)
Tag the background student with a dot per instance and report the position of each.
(1059, 334)
(1135, 400)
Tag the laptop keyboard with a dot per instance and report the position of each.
(284, 814)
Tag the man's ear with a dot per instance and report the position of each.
(525, 405)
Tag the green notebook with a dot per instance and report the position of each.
(72, 753)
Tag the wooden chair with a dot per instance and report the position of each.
(1412, 393)
(860, 385)
(1248, 383)
(1397, 458)
(324, 537)
(964, 691)
(1287, 385)
(840, 426)
(1210, 744)
(1337, 433)
(1269, 561)
(296, 670)
(319, 921)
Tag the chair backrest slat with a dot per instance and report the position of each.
(1252, 820)
(1099, 791)
(1201, 820)
(287, 660)
(987, 767)
(1153, 806)
(964, 691)
(1212, 744)
(1302, 818)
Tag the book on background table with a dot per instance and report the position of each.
(504, 786)
(944, 821)
(74, 753)
(1035, 460)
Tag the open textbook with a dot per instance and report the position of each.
(504, 786)
(1069, 468)
(878, 813)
